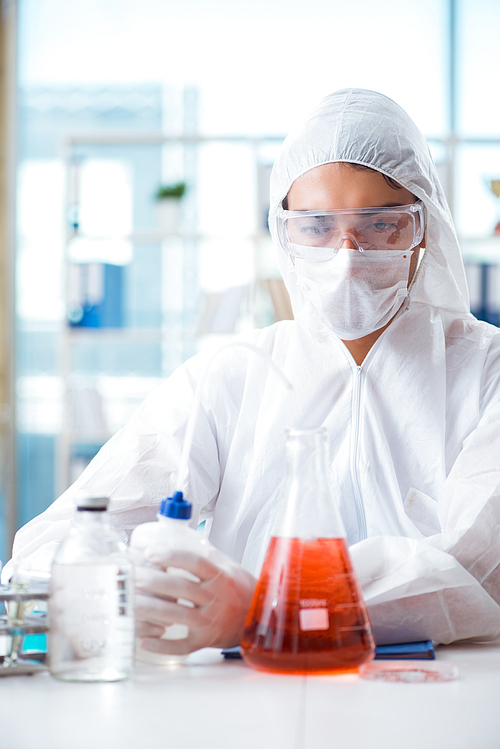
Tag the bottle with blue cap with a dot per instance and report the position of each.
(172, 530)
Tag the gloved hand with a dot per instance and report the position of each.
(221, 600)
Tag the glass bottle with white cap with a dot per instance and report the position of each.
(91, 616)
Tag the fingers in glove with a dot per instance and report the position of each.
(169, 586)
(160, 612)
(199, 566)
(172, 647)
(167, 647)
(144, 629)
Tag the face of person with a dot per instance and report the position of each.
(340, 186)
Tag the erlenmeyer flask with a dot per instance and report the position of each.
(307, 614)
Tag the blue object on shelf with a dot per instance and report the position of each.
(36, 643)
(99, 307)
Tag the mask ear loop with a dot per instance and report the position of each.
(422, 253)
(420, 260)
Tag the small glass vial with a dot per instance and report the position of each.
(91, 616)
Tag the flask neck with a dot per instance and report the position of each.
(306, 457)
(309, 508)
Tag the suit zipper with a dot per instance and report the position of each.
(354, 458)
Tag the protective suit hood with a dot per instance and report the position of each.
(368, 128)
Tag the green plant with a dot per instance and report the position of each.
(176, 190)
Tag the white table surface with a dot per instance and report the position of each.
(212, 703)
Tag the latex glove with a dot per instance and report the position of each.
(221, 600)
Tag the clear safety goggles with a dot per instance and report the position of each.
(318, 235)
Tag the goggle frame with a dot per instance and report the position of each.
(415, 210)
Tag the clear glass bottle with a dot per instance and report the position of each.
(307, 613)
(91, 616)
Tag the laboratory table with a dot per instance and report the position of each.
(222, 704)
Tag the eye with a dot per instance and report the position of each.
(311, 229)
(318, 226)
(383, 226)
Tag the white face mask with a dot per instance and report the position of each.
(356, 293)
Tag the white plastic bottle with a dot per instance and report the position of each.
(91, 616)
(172, 530)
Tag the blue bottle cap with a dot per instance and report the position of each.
(175, 507)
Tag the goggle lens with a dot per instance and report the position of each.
(398, 229)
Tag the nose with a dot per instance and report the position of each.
(349, 242)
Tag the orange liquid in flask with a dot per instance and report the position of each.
(307, 615)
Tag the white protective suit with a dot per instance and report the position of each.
(414, 432)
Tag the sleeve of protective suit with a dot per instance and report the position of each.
(445, 586)
(136, 468)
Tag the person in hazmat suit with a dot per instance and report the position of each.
(383, 352)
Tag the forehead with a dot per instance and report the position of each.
(339, 185)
